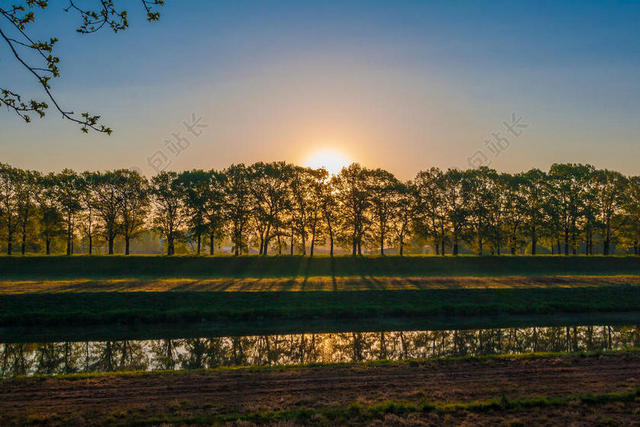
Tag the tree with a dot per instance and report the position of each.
(319, 178)
(455, 199)
(38, 59)
(430, 212)
(88, 201)
(51, 221)
(68, 187)
(10, 182)
(330, 210)
(404, 210)
(567, 181)
(215, 207)
(194, 187)
(632, 213)
(27, 203)
(168, 213)
(305, 207)
(270, 188)
(482, 198)
(133, 200)
(354, 200)
(514, 211)
(238, 203)
(383, 188)
(611, 188)
(534, 191)
(107, 205)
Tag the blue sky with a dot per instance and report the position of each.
(403, 85)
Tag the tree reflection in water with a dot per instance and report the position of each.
(197, 353)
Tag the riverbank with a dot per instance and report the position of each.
(85, 308)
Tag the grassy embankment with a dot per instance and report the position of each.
(97, 290)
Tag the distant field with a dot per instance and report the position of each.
(77, 267)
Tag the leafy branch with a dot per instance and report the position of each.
(42, 62)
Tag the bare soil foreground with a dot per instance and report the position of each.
(551, 389)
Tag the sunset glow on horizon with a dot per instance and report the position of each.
(332, 160)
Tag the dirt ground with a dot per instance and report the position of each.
(121, 398)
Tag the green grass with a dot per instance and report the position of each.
(368, 363)
(56, 267)
(362, 413)
(152, 331)
(43, 309)
(56, 303)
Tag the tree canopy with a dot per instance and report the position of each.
(280, 208)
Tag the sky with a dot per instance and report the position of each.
(401, 85)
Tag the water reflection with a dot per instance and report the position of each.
(196, 353)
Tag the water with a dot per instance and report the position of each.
(197, 353)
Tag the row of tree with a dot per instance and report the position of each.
(282, 208)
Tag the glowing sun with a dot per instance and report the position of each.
(333, 161)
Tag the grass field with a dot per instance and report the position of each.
(57, 267)
(81, 290)
(166, 307)
(308, 284)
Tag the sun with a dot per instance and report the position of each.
(333, 161)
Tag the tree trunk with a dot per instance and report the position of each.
(331, 244)
(126, 243)
(9, 234)
(48, 245)
(170, 248)
(303, 236)
(90, 244)
(69, 234)
(211, 247)
(111, 239)
(313, 239)
(455, 245)
(291, 242)
(23, 248)
(534, 241)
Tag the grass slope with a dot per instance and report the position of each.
(162, 307)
